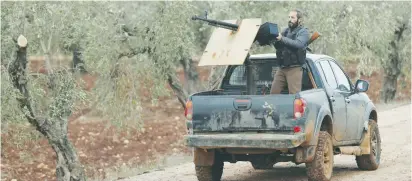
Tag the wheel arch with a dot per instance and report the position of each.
(373, 115)
(326, 124)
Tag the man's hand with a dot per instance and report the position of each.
(279, 37)
(302, 38)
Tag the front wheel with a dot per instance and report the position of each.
(321, 168)
(372, 160)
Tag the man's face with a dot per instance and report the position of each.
(293, 19)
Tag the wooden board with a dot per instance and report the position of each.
(227, 47)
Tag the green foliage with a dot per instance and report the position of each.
(10, 109)
(40, 23)
(136, 45)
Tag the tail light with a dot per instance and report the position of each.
(299, 108)
(296, 129)
(189, 110)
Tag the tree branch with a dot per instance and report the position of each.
(181, 94)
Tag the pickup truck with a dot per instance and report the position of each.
(242, 121)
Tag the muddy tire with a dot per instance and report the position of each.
(321, 168)
(210, 173)
(371, 161)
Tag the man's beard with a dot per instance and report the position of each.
(292, 25)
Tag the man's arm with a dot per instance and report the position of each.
(302, 39)
(279, 44)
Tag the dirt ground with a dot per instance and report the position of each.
(109, 153)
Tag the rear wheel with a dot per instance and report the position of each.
(321, 168)
(210, 173)
(372, 160)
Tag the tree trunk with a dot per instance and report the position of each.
(177, 89)
(216, 76)
(191, 75)
(78, 63)
(392, 68)
(389, 88)
(68, 167)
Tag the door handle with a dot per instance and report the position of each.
(347, 100)
(332, 98)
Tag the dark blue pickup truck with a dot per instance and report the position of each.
(241, 121)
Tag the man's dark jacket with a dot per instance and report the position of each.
(291, 48)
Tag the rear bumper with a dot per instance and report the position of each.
(257, 140)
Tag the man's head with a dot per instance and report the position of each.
(295, 18)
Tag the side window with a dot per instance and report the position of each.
(329, 76)
(343, 82)
(321, 73)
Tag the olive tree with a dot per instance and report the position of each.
(44, 100)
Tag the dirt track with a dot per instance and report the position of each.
(395, 129)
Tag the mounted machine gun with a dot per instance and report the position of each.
(231, 41)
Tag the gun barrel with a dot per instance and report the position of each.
(218, 23)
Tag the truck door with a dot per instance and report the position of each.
(354, 107)
(337, 100)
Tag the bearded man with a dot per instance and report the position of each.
(291, 54)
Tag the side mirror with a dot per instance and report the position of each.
(361, 85)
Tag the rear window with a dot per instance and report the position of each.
(264, 74)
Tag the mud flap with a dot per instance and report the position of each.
(366, 142)
(202, 157)
(305, 154)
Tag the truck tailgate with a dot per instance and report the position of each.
(242, 113)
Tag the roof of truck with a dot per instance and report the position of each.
(311, 56)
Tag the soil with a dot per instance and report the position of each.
(104, 149)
